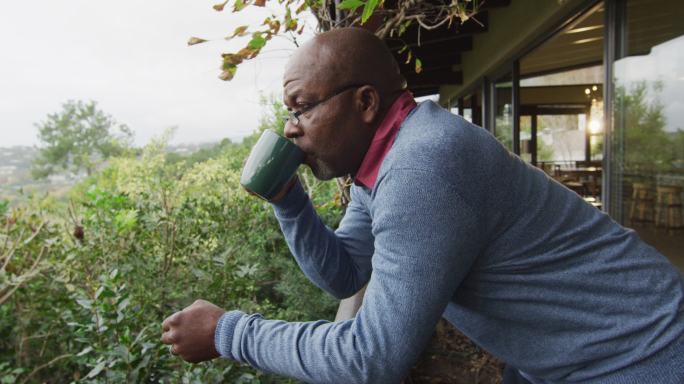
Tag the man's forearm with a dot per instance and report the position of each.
(321, 255)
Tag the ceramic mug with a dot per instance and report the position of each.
(270, 165)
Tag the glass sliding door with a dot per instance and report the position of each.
(503, 119)
(561, 104)
(526, 139)
(648, 124)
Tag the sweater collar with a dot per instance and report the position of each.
(383, 140)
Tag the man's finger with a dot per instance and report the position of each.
(196, 302)
(169, 337)
(171, 321)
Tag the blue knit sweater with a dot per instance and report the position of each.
(457, 226)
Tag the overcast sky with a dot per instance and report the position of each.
(132, 58)
(664, 64)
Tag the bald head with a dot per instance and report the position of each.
(340, 85)
(347, 56)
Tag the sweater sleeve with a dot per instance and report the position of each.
(338, 262)
(426, 238)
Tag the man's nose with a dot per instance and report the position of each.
(291, 130)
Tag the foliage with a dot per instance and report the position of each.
(23, 248)
(141, 239)
(77, 139)
(647, 144)
(201, 155)
(544, 151)
(504, 133)
(387, 22)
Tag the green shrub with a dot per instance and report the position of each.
(138, 241)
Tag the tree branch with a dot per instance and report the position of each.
(49, 363)
(24, 277)
(9, 255)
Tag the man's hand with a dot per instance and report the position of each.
(191, 331)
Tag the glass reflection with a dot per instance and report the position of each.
(648, 120)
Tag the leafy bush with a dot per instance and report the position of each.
(92, 280)
(4, 204)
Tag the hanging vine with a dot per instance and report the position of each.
(387, 20)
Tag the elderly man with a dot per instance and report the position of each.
(443, 222)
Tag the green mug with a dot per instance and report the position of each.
(270, 165)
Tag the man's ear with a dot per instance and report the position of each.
(368, 100)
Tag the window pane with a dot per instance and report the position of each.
(649, 124)
(526, 138)
(503, 125)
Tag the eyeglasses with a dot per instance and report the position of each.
(293, 116)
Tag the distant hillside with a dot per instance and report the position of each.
(15, 169)
(15, 165)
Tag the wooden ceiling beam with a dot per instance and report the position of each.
(477, 24)
(411, 71)
(436, 77)
(416, 33)
(427, 55)
(452, 43)
(424, 91)
(429, 63)
(484, 5)
(489, 4)
(439, 50)
(457, 40)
